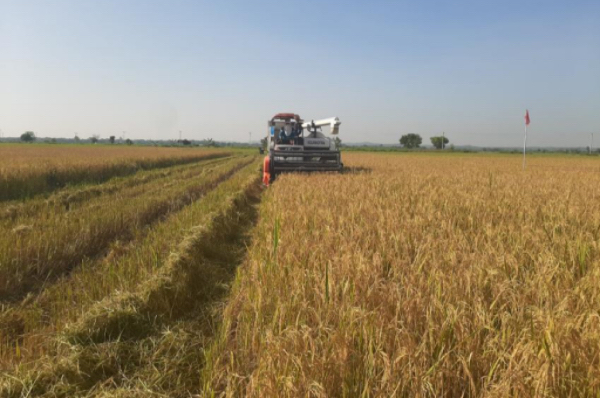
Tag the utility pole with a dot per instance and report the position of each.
(443, 138)
(591, 142)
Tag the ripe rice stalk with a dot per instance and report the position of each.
(419, 275)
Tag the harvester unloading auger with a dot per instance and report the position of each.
(294, 145)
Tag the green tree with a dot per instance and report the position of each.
(411, 141)
(94, 139)
(210, 142)
(28, 136)
(112, 139)
(128, 141)
(439, 142)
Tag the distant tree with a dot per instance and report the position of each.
(439, 142)
(263, 143)
(28, 136)
(186, 142)
(94, 139)
(76, 138)
(128, 141)
(112, 139)
(411, 141)
(338, 142)
(210, 142)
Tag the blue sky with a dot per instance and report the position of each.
(222, 69)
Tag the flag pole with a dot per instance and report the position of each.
(524, 146)
(525, 139)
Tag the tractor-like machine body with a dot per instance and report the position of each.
(295, 145)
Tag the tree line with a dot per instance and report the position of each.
(30, 136)
(411, 141)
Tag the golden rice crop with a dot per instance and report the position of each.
(89, 230)
(407, 275)
(71, 197)
(420, 275)
(149, 332)
(28, 170)
(56, 239)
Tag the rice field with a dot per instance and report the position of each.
(29, 170)
(409, 274)
(65, 250)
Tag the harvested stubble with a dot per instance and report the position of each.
(56, 240)
(149, 340)
(68, 198)
(28, 324)
(421, 275)
(28, 170)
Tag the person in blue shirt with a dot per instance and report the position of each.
(282, 136)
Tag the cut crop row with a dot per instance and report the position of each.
(154, 324)
(20, 181)
(54, 245)
(68, 198)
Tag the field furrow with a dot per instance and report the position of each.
(33, 254)
(156, 329)
(69, 198)
(33, 171)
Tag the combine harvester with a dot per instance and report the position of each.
(290, 149)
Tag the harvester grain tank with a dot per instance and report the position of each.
(295, 145)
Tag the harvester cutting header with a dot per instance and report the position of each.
(295, 145)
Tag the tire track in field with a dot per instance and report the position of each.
(33, 280)
(154, 336)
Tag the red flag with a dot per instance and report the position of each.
(527, 117)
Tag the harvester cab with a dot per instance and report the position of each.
(295, 145)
